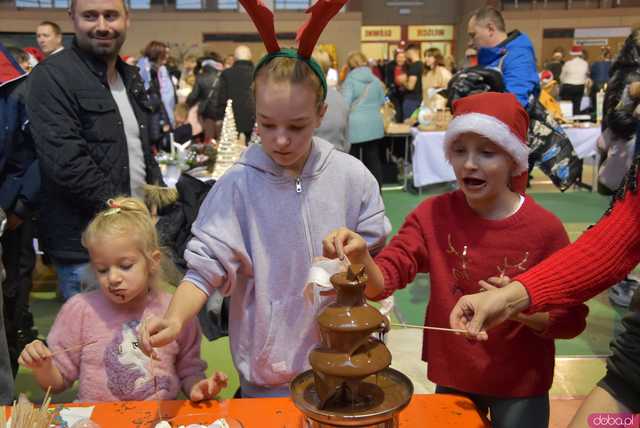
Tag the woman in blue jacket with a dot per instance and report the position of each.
(364, 94)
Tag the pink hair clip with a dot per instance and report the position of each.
(114, 207)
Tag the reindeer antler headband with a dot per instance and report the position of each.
(308, 34)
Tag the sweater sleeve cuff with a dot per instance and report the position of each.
(548, 333)
(390, 278)
(187, 383)
(566, 323)
(197, 280)
(531, 291)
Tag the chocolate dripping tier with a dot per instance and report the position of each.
(348, 352)
(350, 383)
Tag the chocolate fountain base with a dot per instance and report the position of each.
(384, 395)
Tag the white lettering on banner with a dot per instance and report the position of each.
(601, 32)
(591, 42)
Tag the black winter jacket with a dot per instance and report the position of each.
(19, 170)
(174, 224)
(204, 92)
(81, 144)
(624, 71)
(235, 84)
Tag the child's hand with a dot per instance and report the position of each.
(344, 242)
(35, 355)
(206, 389)
(494, 282)
(499, 282)
(156, 332)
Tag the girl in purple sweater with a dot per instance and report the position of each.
(94, 338)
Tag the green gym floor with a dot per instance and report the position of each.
(580, 361)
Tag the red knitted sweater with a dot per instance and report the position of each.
(602, 256)
(515, 361)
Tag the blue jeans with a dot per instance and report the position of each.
(70, 278)
(525, 412)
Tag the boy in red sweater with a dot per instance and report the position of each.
(487, 229)
(601, 257)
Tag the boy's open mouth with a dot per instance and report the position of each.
(473, 182)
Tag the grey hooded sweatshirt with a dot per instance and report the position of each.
(255, 237)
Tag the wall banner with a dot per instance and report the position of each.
(430, 32)
(591, 42)
(376, 33)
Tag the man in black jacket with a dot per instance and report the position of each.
(235, 84)
(19, 189)
(89, 117)
(204, 92)
(12, 121)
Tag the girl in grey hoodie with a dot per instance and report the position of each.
(261, 226)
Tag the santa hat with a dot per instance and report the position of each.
(575, 50)
(498, 117)
(35, 52)
(546, 76)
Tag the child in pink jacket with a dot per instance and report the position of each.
(94, 338)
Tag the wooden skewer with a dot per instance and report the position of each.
(424, 327)
(25, 415)
(152, 371)
(344, 256)
(346, 259)
(453, 330)
(44, 414)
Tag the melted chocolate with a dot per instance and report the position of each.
(366, 402)
(348, 353)
(351, 382)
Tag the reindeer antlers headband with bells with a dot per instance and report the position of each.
(321, 13)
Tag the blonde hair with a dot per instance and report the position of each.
(283, 69)
(356, 59)
(323, 59)
(190, 58)
(181, 112)
(125, 217)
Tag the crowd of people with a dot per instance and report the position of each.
(82, 129)
(576, 78)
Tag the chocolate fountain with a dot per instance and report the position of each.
(350, 383)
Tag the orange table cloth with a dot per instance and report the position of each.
(436, 410)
